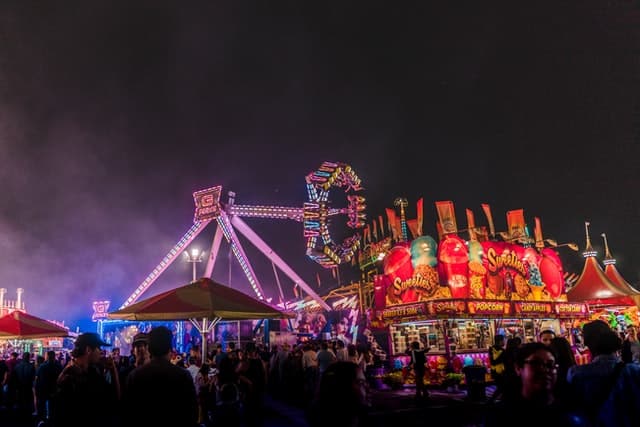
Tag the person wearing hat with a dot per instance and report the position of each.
(140, 346)
(83, 392)
(140, 352)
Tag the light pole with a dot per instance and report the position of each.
(194, 256)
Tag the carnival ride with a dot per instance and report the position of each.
(315, 216)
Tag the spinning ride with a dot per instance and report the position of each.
(314, 215)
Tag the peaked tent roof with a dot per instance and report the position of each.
(614, 275)
(593, 286)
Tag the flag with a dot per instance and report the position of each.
(471, 225)
(412, 224)
(381, 221)
(447, 216)
(487, 211)
(515, 224)
(420, 210)
(537, 233)
(481, 234)
(391, 216)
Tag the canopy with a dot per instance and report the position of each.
(595, 288)
(203, 302)
(20, 325)
(202, 298)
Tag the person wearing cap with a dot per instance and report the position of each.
(165, 390)
(140, 345)
(140, 350)
(83, 393)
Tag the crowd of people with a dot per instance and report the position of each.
(537, 383)
(155, 385)
(540, 383)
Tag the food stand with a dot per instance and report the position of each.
(453, 296)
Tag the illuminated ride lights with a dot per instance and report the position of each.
(314, 215)
(188, 237)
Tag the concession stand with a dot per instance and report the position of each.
(454, 295)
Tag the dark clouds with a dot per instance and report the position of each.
(111, 114)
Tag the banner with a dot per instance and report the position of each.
(420, 210)
(489, 308)
(381, 222)
(406, 310)
(444, 307)
(487, 212)
(567, 309)
(471, 225)
(447, 216)
(537, 233)
(412, 225)
(516, 224)
(391, 216)
(532, 308)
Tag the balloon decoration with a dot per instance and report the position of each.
(456, 269)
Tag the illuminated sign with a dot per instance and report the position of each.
(447, 307)
(404, 311)
(571, 309)
(532, 308)
(506, 260)
(489, 307)
(316, 212)
(53, 342)
(207, 203)
(100, 310)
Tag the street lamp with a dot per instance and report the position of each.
(194, 256)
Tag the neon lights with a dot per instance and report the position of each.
(230, 235)
(191, 234)
(207, 203)
(100, 310)
(316, 213)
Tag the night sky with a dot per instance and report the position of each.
(112, 113)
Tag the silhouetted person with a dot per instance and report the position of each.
(159, 393)
(83, 393)
(341, 399)
(46, 384)
(418, 364)
(496, 365)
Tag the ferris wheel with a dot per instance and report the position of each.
(314, 215)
